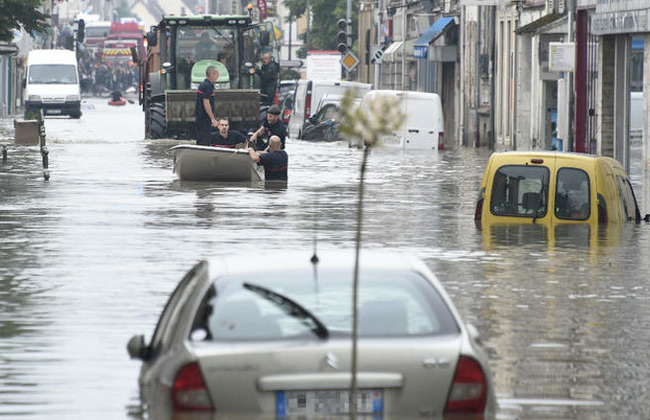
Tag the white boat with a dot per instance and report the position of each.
(209, 163)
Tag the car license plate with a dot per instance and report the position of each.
(53, 111)
(309, 403)
(390, 140)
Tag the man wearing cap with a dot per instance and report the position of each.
(272, 126)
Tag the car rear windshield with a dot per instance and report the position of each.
(391, 303)
(520, 191)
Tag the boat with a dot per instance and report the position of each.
(213, 163)
(119, 102)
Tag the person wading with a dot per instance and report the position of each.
(275, 160)
(204, 108)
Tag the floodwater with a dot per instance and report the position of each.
(90, 257)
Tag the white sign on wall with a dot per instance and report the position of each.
(324, 65)
(561, 56)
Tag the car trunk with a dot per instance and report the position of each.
(404, 376)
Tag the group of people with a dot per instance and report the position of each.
(265, 146)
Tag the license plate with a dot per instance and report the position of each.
(309, 403)
(53, 111)
(390, 140)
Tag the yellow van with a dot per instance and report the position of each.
(554, 188)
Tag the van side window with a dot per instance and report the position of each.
(628, 202)
(520, 190)
(572, 195)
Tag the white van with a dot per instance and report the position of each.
(423, 126)
(309, 93)
(52, 83)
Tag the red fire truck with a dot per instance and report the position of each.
(116, 48)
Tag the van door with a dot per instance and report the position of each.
(423, 123)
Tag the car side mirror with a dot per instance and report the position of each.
(136, 348)
(152, 38)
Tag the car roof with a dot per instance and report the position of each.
(282, 260)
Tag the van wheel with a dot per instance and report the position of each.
(75, 114)
(158, 120)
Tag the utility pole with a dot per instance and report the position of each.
(377, 65)
(403, 44)
(569, 81)
(348, 19)
(308, 26)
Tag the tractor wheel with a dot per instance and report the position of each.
(158, 121)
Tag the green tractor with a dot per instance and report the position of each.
(179, 50)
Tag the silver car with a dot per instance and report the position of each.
(271, 337)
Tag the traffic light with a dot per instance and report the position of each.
(81, 28)
(342, 36)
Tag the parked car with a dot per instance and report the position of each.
(324, 125)
(553, 188)
(286, 87)
(309, 94)
(274, 339)
(286, 104)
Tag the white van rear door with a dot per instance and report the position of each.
(423, 123)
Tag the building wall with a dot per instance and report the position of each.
(506, 80)
(605, 110)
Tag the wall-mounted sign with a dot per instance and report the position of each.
(561, 56)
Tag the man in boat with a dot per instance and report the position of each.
(203, 109)
(272, 126)
(274, 160)
(226, 138)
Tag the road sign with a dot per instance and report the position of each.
(349, 61)
(291, 63)
(377, 55)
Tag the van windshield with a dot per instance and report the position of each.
(53, 74)
(520, 191)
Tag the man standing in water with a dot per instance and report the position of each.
(275, 160)
(204, 108)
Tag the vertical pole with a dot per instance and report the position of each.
(379, 26)
(290, 25)
(477, 137)
(348, 30)
(403, 44)
(308, 25)
(569, 85)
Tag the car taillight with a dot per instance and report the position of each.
(189, 392)
(308, 106)
(602, 210)
(287, 114)
(441, 140)
(469, 390)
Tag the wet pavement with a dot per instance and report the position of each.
(90, 257)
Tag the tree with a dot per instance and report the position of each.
(325, 14)
(25, 13)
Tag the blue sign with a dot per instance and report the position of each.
(420, 51)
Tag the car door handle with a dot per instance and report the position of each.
(413, 130)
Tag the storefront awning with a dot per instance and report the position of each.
(539, 24)
(390, 51)
(421, 45)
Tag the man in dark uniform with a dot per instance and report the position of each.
(226, 138)
(275, 160)
(269, 74)
(203, 110)
(272, 126)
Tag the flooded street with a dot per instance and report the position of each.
(90, 257)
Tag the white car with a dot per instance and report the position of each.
(271, 337)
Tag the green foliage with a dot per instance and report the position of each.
(124, 11)
(17, 13)
(289, 74)
(325, 14)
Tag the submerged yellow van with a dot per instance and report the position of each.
(553, 188)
